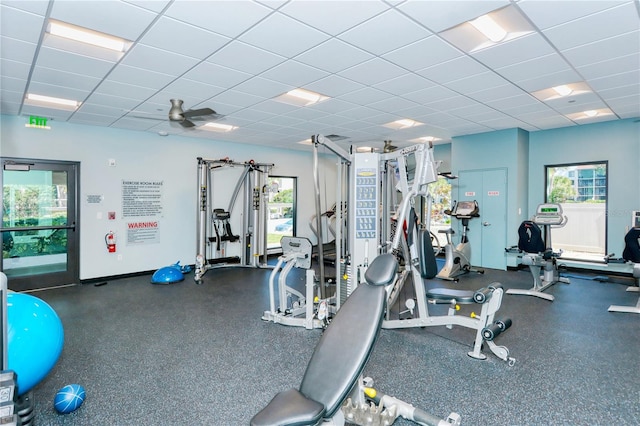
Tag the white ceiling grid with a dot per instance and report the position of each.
(377, 60)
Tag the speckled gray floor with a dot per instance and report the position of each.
(187, 354)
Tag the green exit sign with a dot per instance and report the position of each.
(37, 122)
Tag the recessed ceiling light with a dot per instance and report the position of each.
(592, 113)
(425, 139)
(495, 27)
(489, 28)
(364, 149)
(306, 142)
(218, 127)
(404, 123)
(49, 101)
(301, 97)
(85, 35)
(561, 91)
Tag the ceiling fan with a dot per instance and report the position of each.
(186, 118)
(179, 117)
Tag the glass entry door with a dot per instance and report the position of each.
(39, 223)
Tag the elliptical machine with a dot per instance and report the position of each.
(458, 258)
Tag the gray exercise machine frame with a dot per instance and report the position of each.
(252, 183)
(489, 298)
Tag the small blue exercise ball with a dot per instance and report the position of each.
(34, 338)
(69, 398)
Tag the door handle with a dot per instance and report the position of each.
(486, 224)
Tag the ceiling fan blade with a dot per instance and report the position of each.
(186, 123)
(198, 112)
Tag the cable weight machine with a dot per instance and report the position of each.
(213, 223)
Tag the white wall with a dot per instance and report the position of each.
(147, 156)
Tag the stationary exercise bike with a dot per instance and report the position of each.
(537, 251)
(458, 258)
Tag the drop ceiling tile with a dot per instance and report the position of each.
(365, 96)
(70, 62)
(512, 52)
(500, 92)
(440, 15)
(217, 75)
(100, 109)
(422, 54)
(630, 93)
(545, 14)
(294, 73)
(269, 34)
(154, 5)
(542, 65)
(194, 89)
(424, 96)
(550, 80)
(447, 104)
(133, 124)
(139, 77)
(333, 17)
(615, 80)
(334, 86)
(14, 69)
(484, 80)
(404, 84)
(393, 105)
(178, 37)
(454, 69)
(111, 17)
(251, 114)
(282, 120)
(116, 88)
(374, 71)
(17, 50)
(305, 114)
(514, 102)
(64, 79)
(38, 7)
(148, 57)
(229, 18)
(629, 63)
(373, 35)
(598, 26)
(246, 58)
(121, 103)
(333, 56)
(236, 98)
(613, 47)
(273, 107)
(260, 88)
(92, 119)
(20, 25)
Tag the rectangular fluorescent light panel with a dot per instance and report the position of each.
(593, 113)
(218, 127)
(405, 123)
(489, 28)
(84, 35)
(564, 90)
(301, 97)
(41, 99)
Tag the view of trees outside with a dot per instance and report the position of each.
(581, 191)
(281, 209)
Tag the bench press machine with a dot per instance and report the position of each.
(333, 390)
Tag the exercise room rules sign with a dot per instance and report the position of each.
(142, 200)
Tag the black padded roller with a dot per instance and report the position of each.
(482, 295)
(491, 332)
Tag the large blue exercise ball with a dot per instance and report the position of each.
(34, 338)
(69, 398)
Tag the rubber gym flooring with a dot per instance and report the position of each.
(187, 354)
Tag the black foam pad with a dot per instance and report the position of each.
(530, 238)
(631, 246)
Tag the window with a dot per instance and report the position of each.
(440, 191)
(581, 191)
(282, 208)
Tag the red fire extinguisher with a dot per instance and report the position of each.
(110, 240)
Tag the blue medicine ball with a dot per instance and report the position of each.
(34, 338)
(69, 399)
